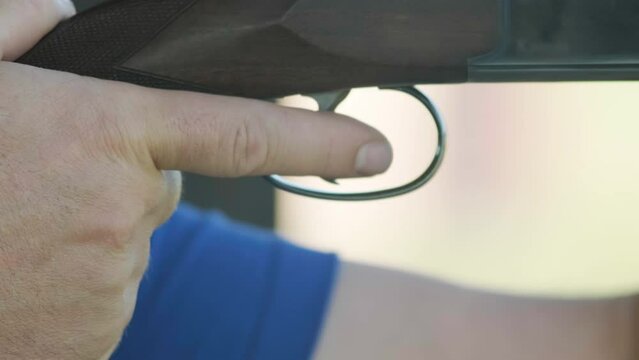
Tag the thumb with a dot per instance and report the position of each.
(24, 22)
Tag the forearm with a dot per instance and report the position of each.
(380, 314)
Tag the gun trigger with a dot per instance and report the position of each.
(329, 101)
(332, 181)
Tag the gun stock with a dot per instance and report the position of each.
(272, 48)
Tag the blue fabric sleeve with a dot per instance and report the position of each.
(219, 290)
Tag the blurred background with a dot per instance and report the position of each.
(537, 195)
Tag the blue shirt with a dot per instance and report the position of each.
(218, 290)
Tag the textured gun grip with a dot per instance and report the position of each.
(95, 42)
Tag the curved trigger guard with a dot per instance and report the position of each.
(329, 102)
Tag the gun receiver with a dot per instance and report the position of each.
(564, 40)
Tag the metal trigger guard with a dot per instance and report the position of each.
(330, 102)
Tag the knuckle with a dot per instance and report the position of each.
(112, 230)
(87, 123)
(108, 278)
(104, 120)
(170, 198)
(250, 148)
(150, 191)
(161, 195)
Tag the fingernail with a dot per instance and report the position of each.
(66, 8)
(374, 158)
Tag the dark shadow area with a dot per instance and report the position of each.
(82, 5)
(250, 200)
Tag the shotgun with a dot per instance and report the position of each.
(268, 49)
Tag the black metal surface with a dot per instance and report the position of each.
(83, 5)
(557, 40)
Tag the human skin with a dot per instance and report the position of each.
(381, 314)
(88, 169)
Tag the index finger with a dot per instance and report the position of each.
(226, 136)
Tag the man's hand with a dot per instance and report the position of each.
(84, 180)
